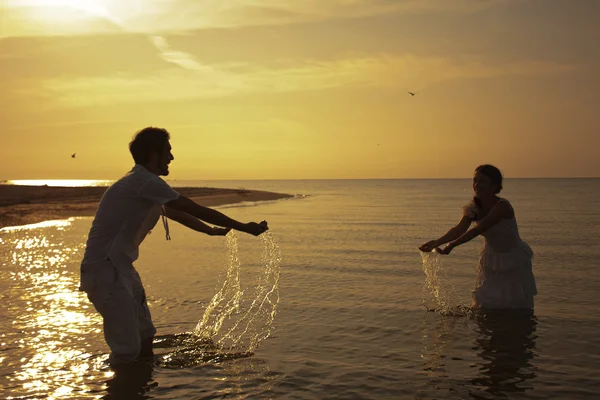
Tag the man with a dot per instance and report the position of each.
(128, 210)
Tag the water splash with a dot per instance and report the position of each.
(187, 350)
(240, 318)
(227, 299)
(438, 288)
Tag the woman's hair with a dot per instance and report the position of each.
(495, 178)
(147, 141)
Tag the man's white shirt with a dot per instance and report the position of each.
(128, 210)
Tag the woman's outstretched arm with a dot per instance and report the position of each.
(453, 234)
(502, 210)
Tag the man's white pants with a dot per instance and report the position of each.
(121, 301)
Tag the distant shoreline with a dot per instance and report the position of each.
(24, 205)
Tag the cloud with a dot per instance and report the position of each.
(241, 79)
(34, 17)
(26, 61)
(182, 59)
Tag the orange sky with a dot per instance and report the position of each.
(285, 89)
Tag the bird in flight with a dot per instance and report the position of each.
(411, 93)
(73, 155)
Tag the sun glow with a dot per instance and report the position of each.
(65, 10)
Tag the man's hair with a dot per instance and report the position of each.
(147, 141)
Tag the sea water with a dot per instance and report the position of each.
(340, 314)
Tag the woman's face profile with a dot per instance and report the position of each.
(482, 185)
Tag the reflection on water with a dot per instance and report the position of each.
(350, 324)
(58, 223)
(131, 381)
(230, 373)
(44, 317)
(50, 334)
(506, 346)
(438, 340)
(59, 182)
(504, 349)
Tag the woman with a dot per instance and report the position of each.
(505, 276)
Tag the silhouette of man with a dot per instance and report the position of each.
(128, 210)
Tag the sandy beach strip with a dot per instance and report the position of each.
(23, 205)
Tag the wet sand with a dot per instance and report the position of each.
(22, 205)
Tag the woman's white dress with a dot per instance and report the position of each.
(504, 276)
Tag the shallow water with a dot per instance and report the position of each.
(351, 321)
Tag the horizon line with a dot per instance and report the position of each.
(4, 181)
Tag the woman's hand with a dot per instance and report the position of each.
(429, 246)
(446, 250)
(219, 231)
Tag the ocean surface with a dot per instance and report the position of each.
(338, 287)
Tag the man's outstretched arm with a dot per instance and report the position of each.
(194, 223)
(215, 217)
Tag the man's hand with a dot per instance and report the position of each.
(219, 231)
(256, 229)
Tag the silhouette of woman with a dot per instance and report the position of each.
(505, 277)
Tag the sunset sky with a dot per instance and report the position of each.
(292, 89)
